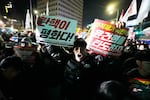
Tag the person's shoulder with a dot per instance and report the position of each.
(10, 61)
(143, 55)
(133, 73)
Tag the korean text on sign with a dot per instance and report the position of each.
(56, 30)
(106, 39)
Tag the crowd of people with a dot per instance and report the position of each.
(49, 72)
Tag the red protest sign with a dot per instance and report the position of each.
(106, 39)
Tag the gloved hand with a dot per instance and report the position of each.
(98, 59)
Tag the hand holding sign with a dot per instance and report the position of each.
(120, 24)
(56, 30)
(107, 39)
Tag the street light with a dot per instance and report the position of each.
(11, 21)
(112, 8)
(36, 12)
(2, 24)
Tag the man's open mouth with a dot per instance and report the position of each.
(79, 55)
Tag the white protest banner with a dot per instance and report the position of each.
(106, 39)
(56, 30)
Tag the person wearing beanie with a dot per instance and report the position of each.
(79, 49)
(80, 73)
(11, 77)
(11, 66)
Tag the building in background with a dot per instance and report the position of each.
(72, 9)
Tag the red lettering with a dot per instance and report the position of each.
(40, 21)
(62, 24)
(98, 33)
(67, 25)
(106, 37)
(101, 45)
(47, 20)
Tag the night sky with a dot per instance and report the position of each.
(92, 9)
(97, 9)
(19, 8)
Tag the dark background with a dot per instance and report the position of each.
(92, 9)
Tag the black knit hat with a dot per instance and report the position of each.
(80, 42)
(143, 55)
(11, 61)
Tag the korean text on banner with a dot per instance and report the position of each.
(106, 39)
(56, 30)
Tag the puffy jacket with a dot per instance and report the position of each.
(80, 72)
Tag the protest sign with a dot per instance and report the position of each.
(56, 30)
(106, 39)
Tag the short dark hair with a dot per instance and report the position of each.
(143, 55)
(80, 42)
(11, 61)
(112, 90)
